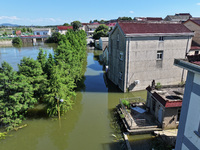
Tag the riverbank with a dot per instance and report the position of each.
(5, 42)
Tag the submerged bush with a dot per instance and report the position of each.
(17, 41)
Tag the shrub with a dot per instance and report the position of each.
(17, 41)
(126, 103)
(158, 86)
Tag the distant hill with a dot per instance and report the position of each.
(9, 25)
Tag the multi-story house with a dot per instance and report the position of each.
(140, 52)
(189, 125)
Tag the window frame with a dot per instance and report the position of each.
(121, 56)
(161, 38)
(159, 53)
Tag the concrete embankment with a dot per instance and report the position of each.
(5, 42)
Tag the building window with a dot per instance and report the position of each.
(118, 41)
(178, 114)
(153, 105)
(121, 55)
(159, 55)
(120, 75)
(196, 52)
(198, 131)
(161, 38)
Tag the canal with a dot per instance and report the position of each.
(86, 127)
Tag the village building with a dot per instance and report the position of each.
(140, 52)
(92, 27)
(165, 104)
(189, 124)
(84, 27)
(103, 42)
(148, 19)
(105, 55)
(194, 25)
(42, 31)
(194, 50)
(111, 25)
(181, 17)
(63, 29)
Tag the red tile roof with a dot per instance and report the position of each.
(64, 27)
(147, 27)
(195, 48)
(111, 24)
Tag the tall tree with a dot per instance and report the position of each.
(76, 25)
(16, 96)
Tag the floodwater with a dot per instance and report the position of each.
(86, 127)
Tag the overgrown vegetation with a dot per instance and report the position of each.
(17, 41)
(126, 103)
(49, 79)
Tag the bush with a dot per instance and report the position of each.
(17, 41)
(158, 86)
(126, 103)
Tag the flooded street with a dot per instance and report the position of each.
(85, 127)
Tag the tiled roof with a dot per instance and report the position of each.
(147, 27)
(195, 48)
(64, 27)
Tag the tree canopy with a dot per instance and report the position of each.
(125, 18)
(101, 31)
(76, 25)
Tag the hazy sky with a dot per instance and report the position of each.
(55, 12)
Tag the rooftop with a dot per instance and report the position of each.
(153, 27)
(168, 97)
(64, 27)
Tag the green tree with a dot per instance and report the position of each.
(55, 38)
(16, 96)
(66, 24)
(32, 70)
(17, 41)
(24, 29)
(76, 25)
(101, 31)
(125, 18)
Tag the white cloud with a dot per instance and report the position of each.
(131, 12)
(9, 18)
(198, 3)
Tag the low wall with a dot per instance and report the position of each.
(5, 42)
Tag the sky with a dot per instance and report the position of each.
(58, 12)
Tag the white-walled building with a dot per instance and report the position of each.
(189, 125)
(140, 52)
(42, 31)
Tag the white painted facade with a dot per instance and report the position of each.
(42, 31)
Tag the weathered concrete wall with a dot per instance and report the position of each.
(170, 118)
(5, 42)
(143, 63)
(116, 65)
